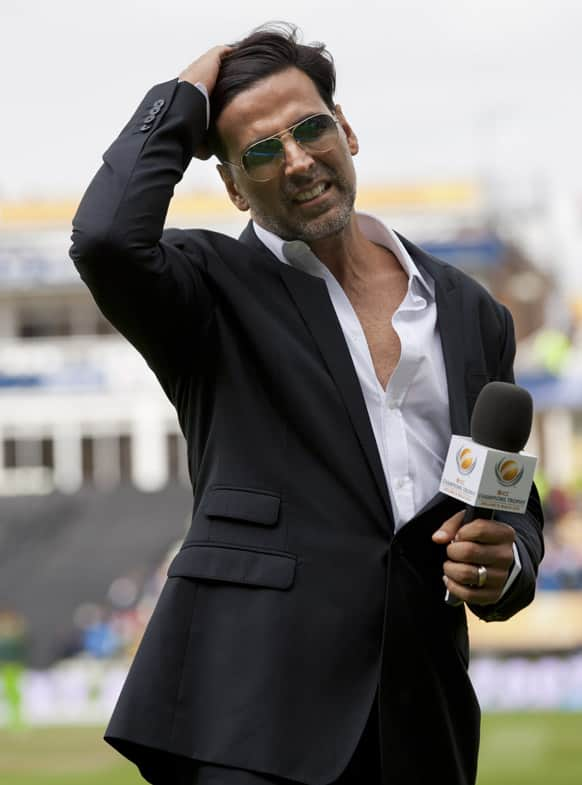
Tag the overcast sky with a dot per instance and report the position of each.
(434, 88)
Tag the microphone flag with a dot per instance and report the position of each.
(488, 478)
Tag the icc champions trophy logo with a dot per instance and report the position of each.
(466, 461)
(508, 471)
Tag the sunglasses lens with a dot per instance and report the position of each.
(316, 133)
(262, 160)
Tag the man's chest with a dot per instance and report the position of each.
(375, 309)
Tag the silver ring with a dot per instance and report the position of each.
(481, 576)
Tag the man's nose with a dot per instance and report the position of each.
(297, 160)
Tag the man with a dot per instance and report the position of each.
(302, 634)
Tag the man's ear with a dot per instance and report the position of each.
(351, 138)
(234, 194)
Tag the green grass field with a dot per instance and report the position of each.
(517, 749)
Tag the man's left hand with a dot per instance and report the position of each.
(481, 543)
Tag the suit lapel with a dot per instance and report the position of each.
(452, 327)
(311, 297)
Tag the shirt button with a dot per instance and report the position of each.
(392, 404)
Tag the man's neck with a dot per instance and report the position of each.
(351, 257)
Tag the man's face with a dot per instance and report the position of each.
(268, 107)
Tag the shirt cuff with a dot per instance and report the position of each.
(515, 570)
(204, 91)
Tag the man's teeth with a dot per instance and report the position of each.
(303, 197)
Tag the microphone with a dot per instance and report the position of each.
(489, 471)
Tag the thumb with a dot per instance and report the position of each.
(448, 531)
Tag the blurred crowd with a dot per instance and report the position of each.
(561, 569)
(115, 627)
(112, 628)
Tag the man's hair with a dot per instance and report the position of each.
(268, 50)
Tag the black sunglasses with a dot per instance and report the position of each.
(261, 161)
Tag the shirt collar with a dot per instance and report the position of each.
(375, 231)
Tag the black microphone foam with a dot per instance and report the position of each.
(502, 417)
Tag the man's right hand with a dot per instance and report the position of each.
(205, 70)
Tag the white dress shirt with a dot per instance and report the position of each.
(410, 418)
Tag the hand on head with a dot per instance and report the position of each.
(206, 67)
(205, 70)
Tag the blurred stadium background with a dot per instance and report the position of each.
(94, 495)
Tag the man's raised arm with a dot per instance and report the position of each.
(145, 284)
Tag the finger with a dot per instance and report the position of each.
(205, 69)
(448, 531)
(224, 49)
(468, 575)
(475, 596)
(487, 532)
(500, 556)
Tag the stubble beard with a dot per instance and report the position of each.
(331, 222)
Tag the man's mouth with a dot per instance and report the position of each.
(313, 193)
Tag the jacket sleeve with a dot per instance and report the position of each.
(151, 286)
(528, 526)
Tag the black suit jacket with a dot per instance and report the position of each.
(290, 601)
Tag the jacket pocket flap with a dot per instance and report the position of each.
(237, 565)
(244, 505)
